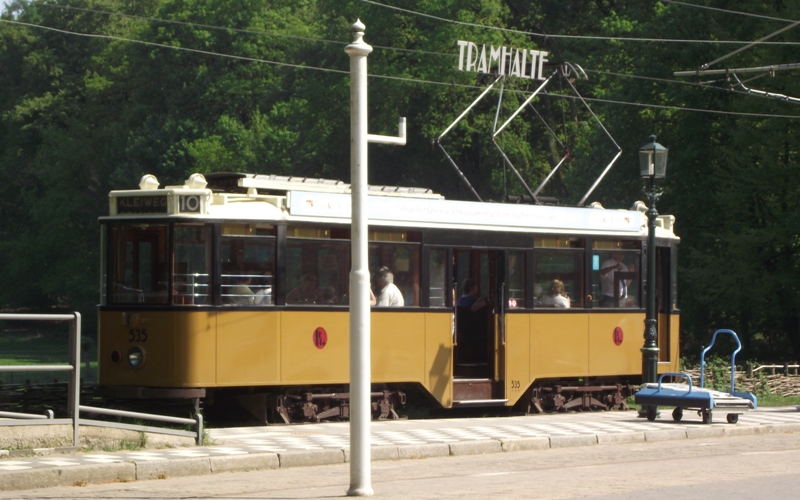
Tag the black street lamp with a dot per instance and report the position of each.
(652, 165)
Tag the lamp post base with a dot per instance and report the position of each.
(649, 365)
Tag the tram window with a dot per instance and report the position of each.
(138, 270)
(438, 274)
(615, 273)
(402, 260)
(248, 265)
(516, 279)
(191, 282)
(558, 260)
(317, 271)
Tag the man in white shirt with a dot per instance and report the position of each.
(607, 271)
(390, 295)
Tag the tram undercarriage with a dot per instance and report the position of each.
(563, 396)
(315, 404)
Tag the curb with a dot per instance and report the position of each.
(162, 469)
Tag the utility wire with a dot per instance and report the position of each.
(575, 37)
(153, 44)
(680, 82)
(235, 30)
(727, 11)
(386, 77)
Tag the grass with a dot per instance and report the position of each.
(46, 346)
(773, 400)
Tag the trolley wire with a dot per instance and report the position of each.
(728, 11)
(572, 37)
(234, 30)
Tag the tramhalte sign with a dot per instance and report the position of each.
(524, 63)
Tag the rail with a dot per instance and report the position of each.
(786, 367)
(74, 384)
(73, 388)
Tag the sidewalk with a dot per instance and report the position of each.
(271, 447)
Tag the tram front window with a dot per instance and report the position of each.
(191, 283)
(138, 270)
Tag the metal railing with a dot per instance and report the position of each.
(772, 369)
(74, 386)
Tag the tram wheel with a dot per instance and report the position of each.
(707, 416)
(677, 414)
(733, 418)
(652, 413)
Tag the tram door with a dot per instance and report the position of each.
(477, 328)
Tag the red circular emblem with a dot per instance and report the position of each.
(320, 337)
(618, 336)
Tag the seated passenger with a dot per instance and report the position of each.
(557, 297)
(470, 298)
(329, 295)
(390, 295)
(306, 293)
(241, 294)
(264, 296)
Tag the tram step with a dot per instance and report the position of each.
(480, 402)
(470, 389)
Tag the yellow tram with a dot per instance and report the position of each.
(236, 286)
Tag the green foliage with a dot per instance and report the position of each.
(82, 115)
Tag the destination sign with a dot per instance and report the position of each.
(523, 63)
(142, 204)
(158, 204)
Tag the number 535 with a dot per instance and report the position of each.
(137, 335)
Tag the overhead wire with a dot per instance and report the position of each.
(704, 85)
(385, 77)
(728, 11)
(234, 30)
(572, 37)
(163, 46)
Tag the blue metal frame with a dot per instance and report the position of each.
(674, 397)
(745, 395)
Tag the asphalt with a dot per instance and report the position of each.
(273, 447)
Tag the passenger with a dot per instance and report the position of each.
(470, 298)
(558, 295)
(538, 295)
(241, 294)
(607, 271)
(329, 295)
(390, 295)
(306, 293)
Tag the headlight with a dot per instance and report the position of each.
(136, 356)
(116, 356)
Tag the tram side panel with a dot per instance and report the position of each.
(518, 356)
(248, 348)
(615, 342)
(273, 348)
(572, 345)
(439, 357)
(179, 348)
(559, 345)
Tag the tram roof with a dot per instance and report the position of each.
(280, 184)
(237, 196)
